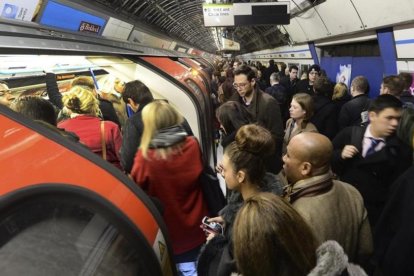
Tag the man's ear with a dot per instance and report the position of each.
(306, 168)
(372, 115)
(241, 176)
(253, 81)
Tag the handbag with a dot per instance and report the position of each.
(212, 193)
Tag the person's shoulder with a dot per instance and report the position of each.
(349, 189)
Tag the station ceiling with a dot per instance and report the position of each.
(183, 19)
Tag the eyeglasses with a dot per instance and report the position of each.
(240, 85)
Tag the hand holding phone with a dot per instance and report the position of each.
(212, 227)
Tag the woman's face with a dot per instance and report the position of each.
(229, 174)
(296, 111)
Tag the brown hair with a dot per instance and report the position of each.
(84, 82)
(271, 238)
(394, 84)
(247, 152)
(306, 103)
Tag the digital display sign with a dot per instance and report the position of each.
(68, 18)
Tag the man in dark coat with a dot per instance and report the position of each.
(372, 157)
(355, 112)
(264, 110)
(325, 113)
(270, 70)
(279, 92)
(137, 96)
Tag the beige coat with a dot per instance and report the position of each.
(339, 215)
(289, 133)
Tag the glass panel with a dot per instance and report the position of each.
(62, 237)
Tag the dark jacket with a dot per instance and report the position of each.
(393, 236)
(407, 99)
(266, 112)
(303, 86)
(350, 114)
(372, 175)
(325, 116)
(216, 257)
(268, 71)
(279, 92)
(133, 129)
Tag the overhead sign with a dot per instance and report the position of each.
(116, 28)
(65, 17)
(218, 15)
(238, 14)
(18, 9)
(229, 44)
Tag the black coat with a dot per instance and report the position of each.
(373, 175)
(350, 114)
(325, 116)
(216, 257)
(303, 86)
(393, 236)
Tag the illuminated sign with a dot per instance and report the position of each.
(218, 15)
(68, 18)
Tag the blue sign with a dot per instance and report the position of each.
(65, 17)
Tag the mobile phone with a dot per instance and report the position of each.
(212, 226)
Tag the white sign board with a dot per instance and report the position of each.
(18, 9)
(217, 15)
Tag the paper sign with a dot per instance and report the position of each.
(18, 9)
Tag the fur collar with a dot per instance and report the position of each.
(332, 261)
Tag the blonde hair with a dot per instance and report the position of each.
(82, 101)
(340, 90)
(271, 238)
(156, 116)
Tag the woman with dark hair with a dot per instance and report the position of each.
(245, 174)
(301, 110)
(271, 239)
(232, 116)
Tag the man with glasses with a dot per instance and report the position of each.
(5, 96)
(264, 109)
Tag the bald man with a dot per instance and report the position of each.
(333, 209)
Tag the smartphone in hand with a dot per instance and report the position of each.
(212, 227)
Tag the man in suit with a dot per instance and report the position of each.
(372, 157)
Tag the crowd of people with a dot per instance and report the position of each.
(318, 180)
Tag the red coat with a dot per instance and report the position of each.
(88, 128)
(175, 183)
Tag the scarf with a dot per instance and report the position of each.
(168, 136)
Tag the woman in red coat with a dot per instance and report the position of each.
(167, 166)
(83, 107)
